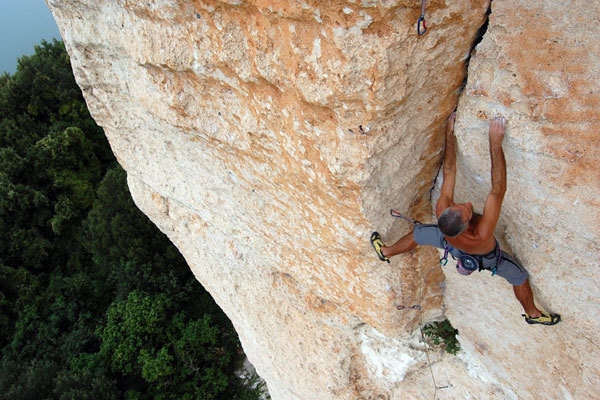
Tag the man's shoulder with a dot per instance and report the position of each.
(442, 203)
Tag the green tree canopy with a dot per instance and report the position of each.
(95, 302)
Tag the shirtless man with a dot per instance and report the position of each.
(468, 236)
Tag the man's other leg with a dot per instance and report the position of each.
(524, 294)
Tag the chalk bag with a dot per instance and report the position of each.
(466, 264)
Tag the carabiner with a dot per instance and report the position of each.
(421, 21)
(422, 29)
(444, 260)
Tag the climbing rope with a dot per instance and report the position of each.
(418, 307)
(421, 325)
(396, 214)
(421, 25)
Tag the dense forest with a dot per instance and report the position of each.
(95, 302)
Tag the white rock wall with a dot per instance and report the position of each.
(537, 66)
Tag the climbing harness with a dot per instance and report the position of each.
(396, 214)
(467, 263)
(421, 25)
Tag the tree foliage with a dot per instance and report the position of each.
(95, 302)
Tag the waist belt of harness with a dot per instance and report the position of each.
(467, 263)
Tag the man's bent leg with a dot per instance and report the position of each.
(428, 234)
(404, 244)
(524, 294)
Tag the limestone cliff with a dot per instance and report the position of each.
(268, 139)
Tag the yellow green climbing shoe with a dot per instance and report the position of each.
(377, 244)
(544, 319)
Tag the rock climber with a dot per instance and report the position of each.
(468, 236)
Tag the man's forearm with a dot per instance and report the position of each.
(450, 152)
(447, 191)
(498, 166)
(450, 149)
(497, 156)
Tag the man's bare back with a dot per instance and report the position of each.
(470, 241)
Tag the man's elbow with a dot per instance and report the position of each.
(498, 192)
(449, 170)
(499, 187)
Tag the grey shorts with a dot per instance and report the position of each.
(508, 268)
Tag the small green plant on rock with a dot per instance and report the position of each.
(443, 334)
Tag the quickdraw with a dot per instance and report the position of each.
(396, 214)
(499, 256)
(444, 260)
(493, 268)
(415, 307)
(421, 25)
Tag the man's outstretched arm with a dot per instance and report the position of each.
(493, 204)
(447, 191)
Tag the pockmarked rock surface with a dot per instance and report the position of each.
(538, 66)
(269, 139)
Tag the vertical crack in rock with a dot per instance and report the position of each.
(478, 38)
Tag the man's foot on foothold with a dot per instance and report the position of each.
(544, 319)
(377, 245)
